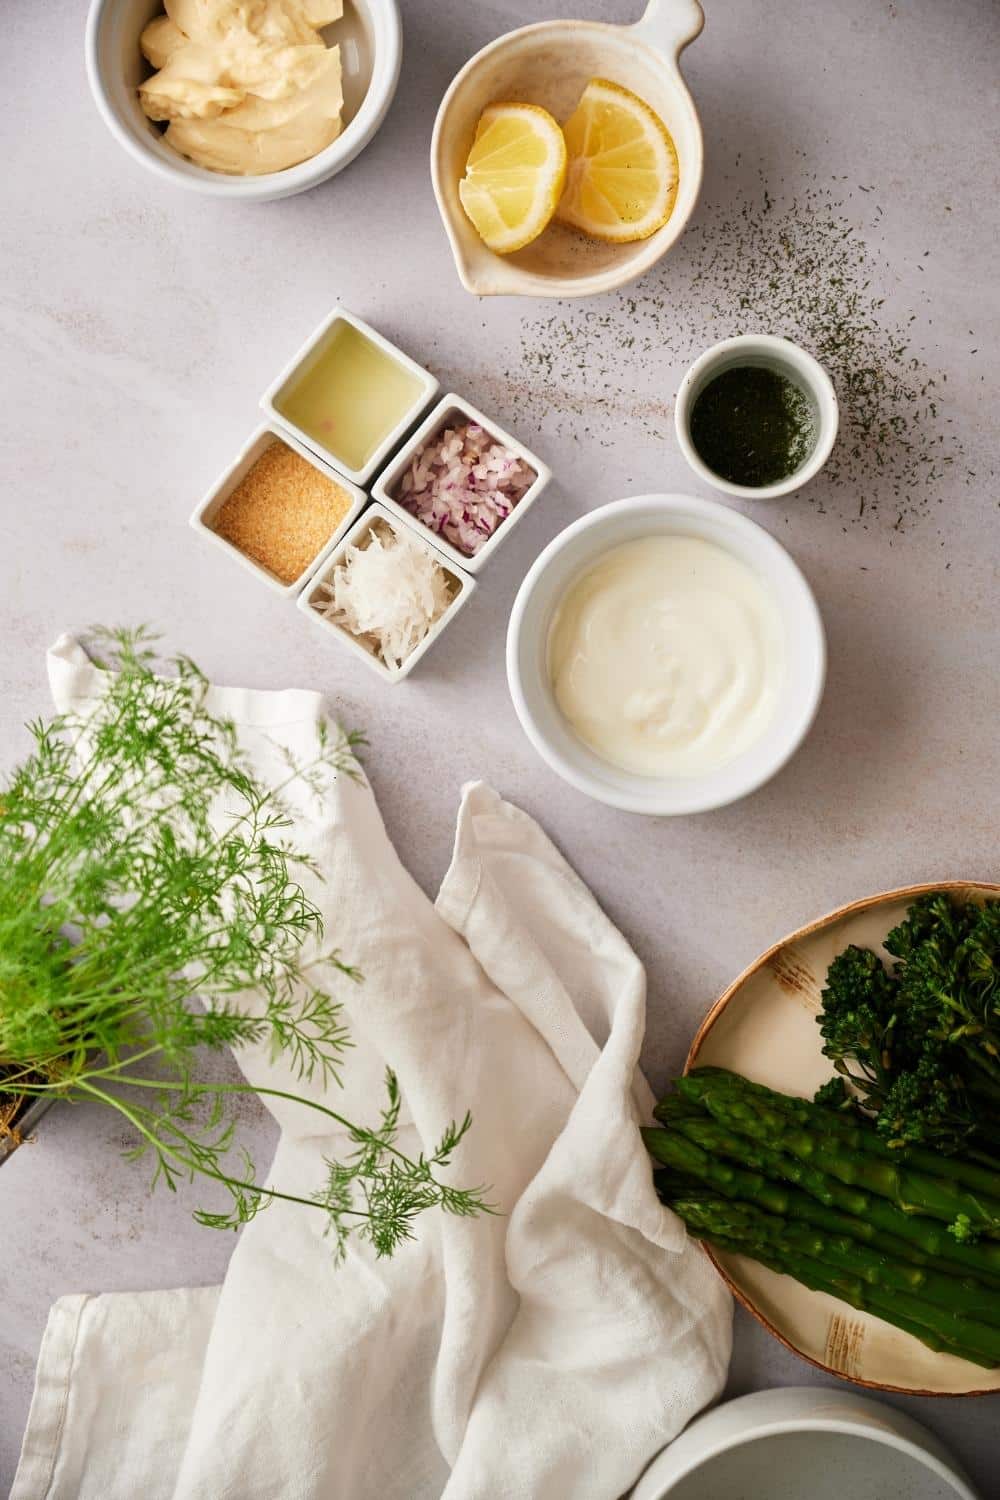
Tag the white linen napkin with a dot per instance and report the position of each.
(542, 1354)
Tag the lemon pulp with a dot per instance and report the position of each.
(514, 175)
(621, 177)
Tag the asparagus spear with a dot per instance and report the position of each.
(841, 1267)
(910, 1190)
(929, 1235)
(817, 1278)
(687, 1159)
(849, 1128)
(876, 1264)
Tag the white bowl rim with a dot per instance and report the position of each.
(770, 1427)
(386, 66)
(646, 802)
(822, 389)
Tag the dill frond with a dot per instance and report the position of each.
(152, 905)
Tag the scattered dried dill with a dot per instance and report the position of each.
(810, 267)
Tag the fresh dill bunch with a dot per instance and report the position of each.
(152, 906)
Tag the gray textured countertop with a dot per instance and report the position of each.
(142, 323)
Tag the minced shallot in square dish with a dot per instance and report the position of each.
(463, 484)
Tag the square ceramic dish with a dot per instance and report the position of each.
(450, 409)
(257, 444)
(279, 399)
(378, 514)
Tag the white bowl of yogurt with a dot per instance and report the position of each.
(665, 655)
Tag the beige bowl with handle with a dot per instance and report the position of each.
(550, 64)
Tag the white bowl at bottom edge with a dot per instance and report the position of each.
(804, 1443)
(580, 545)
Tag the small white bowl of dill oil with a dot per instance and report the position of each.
(756, 417)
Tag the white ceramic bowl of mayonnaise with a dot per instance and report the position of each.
(665, 655)
(369, 35)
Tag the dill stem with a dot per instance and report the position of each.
(361, 1135)
(159, 1145)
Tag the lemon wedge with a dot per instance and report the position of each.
(514, 175)
(621, 181)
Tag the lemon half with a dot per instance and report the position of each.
(514, 175)
(621, 181)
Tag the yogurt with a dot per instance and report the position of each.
(667, 656)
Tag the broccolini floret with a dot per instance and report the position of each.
(920, 1041)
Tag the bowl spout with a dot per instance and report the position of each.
(485, 274)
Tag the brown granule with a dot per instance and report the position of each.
(283, 512)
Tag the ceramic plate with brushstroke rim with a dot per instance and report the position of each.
(764, 1026)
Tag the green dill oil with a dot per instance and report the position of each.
(753, 426)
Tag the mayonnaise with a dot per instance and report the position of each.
(246, 88)
(667, 656)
